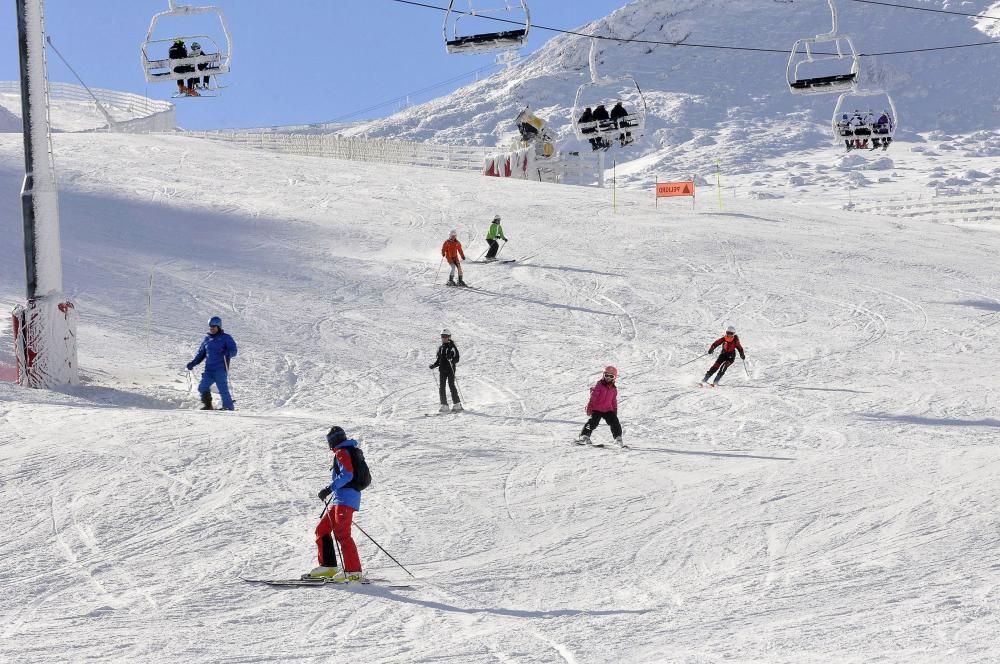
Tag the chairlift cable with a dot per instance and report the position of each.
(925, 9)
(783, 51)
(403, 97)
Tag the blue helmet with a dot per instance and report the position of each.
(215, 321)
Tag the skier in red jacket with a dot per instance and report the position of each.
(603, 404)
(730, 343)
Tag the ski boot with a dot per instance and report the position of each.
(451, 282)
(206, 401)
(348, 577)
(461, 282)
(457, 408)
(444, 408)
(582, 439)
(620, 442)
(322, 572)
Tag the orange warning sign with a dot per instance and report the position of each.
(667, 189)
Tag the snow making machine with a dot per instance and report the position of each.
(533, 130)
(473, 31)
(206, 63)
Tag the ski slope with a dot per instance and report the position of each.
(838, 503)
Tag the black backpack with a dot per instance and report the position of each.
(362, 476)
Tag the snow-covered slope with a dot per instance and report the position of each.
(836, 504)
(733, 106)
(8, 121)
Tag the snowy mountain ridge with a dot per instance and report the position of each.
(734, 106)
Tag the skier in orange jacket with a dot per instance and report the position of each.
(451, 250)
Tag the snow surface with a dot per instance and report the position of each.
(65, 114)
(839, 504)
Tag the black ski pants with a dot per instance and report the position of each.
(610, 417)
(721, 365)
(448, 377)
(494, 248)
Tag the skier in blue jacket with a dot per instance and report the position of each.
(337, 518)
(217, 349)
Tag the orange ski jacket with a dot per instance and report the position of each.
(452, 249)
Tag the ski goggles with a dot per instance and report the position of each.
(611, 376)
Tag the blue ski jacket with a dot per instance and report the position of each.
(216, 349)
(342, 471)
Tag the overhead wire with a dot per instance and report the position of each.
(405, 96)
(754, 49)
(925, 9)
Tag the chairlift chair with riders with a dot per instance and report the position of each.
(833, 68)
(859, 128)
(212, 62)
(459, 40)
(608, 94)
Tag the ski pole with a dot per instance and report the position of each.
(380, 547)
(694, 360)
(745, 366)
(501, 247)
(436, 380)
(326, 504)
(483, 254)
(438, 273)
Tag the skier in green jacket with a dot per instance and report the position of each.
(496, 231)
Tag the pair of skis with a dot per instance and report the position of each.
(583, 442)
(307, 581)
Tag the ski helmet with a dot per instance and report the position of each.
(215, 321)
(446, 333)
(496, 217)
(609, 370)
(195, 46)
(453, 233)
(336, 436)
(730, 330)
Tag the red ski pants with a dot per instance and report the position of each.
(337, 521)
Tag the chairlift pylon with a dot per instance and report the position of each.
(861, 128)
(213, 61)
(594, 122)
(824, 72)
(482, 41)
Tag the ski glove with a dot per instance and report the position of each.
(324, 492)
(189, 366)
(432, 366)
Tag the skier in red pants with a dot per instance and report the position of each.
(730, 343)
(337, 518)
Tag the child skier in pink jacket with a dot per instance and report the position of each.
(603, 404)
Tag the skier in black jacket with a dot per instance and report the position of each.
(178, 52)
(447, 360)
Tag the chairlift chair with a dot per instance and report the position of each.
(455, 41)
(608, 92)
(823, 64)
(862, 129)
(212, 62)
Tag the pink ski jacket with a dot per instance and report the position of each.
(603, 398)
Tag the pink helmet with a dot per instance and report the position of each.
(611, 370)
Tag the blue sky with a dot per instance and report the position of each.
(294, 61)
